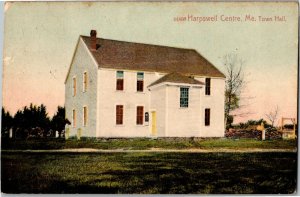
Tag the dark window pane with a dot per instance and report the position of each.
(139, 115)
(120, 84)
(119, 114)
(207, 117)
(207, 86)
(140, 86)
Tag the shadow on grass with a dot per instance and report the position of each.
(177, 173)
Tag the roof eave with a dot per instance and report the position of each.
(154, 86)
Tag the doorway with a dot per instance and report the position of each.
(154, 130)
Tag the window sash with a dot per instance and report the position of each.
(120, 74)
(207, 86)
(120, 84)
(140, 76)
(140, 115)
(140, 86)
(74, 86)
(119, 114)
(74, 118)
(207, 117)
(84, 81)
(184, 97)
(84, 116)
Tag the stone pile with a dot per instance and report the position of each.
(252, 133)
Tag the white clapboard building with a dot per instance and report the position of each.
(124, 89)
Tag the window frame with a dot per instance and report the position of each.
(119, 115)
(139, 115)
(85, 116)
(184, 101)
(140, 82)
(208, 86)
(73, 118)
(118, 80)
(207, 113)
(84, 81)
(74, 86)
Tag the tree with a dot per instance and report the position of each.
(31, 120)
(233, 85)
(6, 123)
(59, 121)
(272, 116)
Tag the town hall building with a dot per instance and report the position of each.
(125, 89)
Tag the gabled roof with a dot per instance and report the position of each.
(177, 78)
(146, 57)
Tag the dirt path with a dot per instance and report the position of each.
(152, 150)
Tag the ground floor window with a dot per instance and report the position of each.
(207, 117)
(139, 115)
(74, 118)
(119, 114)
(184, 97)
(84, 116)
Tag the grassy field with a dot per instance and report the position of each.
(147, 143)
(248, 173)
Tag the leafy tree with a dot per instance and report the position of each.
(31, 120)
(6, 123)
(59, 121)
(229, 121)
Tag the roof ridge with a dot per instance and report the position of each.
(148, 57)
(155, 45)
(176, 77)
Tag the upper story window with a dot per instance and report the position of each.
(207, 117)
(207, 86)
(85, 81)
(74, 86)
(85, 113)
(140, 82)
(139, 115)
(120, 80)
(74, 118)
(184, 97)
(119, 114)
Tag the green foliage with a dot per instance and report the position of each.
(59, 121)
(6, 123)
(229, 121)
(146, 144)
(33, 121)
(30, 118)
(233, 103)
(245, 125)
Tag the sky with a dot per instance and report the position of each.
(40, 39)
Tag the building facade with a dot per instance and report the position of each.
(121, 89)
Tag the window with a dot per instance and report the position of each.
(84, 81)
(74, 118)
(184, 97)
(74, 86)
(120, 80)
(207, 86)
(207, 117)
(119, 114)
(139, 115)
(84, 116)
(140, 82)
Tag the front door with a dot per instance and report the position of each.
(154, 131)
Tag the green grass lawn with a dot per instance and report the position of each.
(147, 143)
(248, 173)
